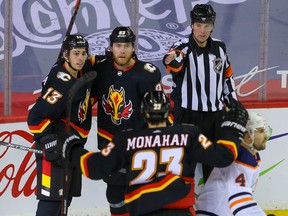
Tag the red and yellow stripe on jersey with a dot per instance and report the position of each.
(105, 134)
(230, 145)
(36, 129)
(83, 133)
(150, 188)
(84, 164)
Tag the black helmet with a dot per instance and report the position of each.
(122, 34)
(74, 41)
(203, 13)
(155, 106)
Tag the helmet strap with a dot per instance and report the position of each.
(68, 62)
(250, 145)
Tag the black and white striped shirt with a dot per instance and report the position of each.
(202, 77)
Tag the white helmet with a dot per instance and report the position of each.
(256, 121)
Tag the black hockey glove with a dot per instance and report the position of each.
(70, 142)
(235, 118)
(51, 147)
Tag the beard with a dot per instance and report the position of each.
(122, 61)
(260, 147)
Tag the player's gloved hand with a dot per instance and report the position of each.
(70, 143)
(235, 118)
(51, 147)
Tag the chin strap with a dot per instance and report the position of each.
(70, 65)
(250, 145)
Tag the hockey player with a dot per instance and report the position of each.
(161, 160)
(229, 190)
(121, 82)
(47, 120)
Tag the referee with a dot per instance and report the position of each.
(202, 76)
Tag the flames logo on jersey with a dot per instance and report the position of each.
(115, 105)
(83, 107)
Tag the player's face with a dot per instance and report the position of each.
(201, 32)
(77, 58)
(122, 53)
(260, 138)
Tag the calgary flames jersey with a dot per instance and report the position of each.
(49, 115)
(120, 94)
(160, 164)
(229, 190)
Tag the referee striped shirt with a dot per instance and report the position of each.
(202, 77)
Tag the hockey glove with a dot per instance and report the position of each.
(235, 118)
(51, 147)
(70, 143)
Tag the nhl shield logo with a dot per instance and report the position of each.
(217, 65)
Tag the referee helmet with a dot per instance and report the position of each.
(203, 13)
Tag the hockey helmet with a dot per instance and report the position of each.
(74, 41)
(122, 34)
(203, 13)
(155, 106)
(256, 121)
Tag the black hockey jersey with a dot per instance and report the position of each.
(160, 164)
(49, 115)
(120, 94)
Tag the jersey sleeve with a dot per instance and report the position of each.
(179, 49)
(51, 105)
(216, 154)
(229, 85)
(98, 165)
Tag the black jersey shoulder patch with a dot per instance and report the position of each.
(150, 67)
(63, 76)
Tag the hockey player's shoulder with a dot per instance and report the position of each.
(247, 159)
(189, 126)
(149, 67)
(185, 128)
(58, 73)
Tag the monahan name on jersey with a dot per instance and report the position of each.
(161, 140)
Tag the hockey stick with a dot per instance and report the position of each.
(71, 23)
(65, 181)
(87, 77)
(21, 147)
